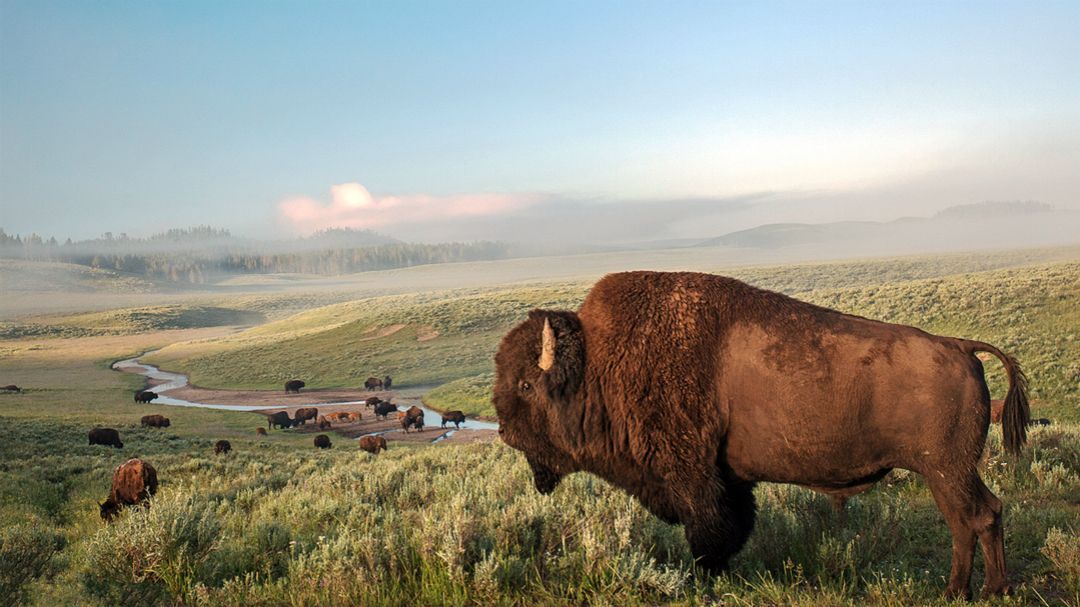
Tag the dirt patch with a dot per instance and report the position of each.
(426, 333)
(381, 332)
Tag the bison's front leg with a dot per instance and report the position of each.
(718, 530)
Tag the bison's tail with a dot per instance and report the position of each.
(1017, 414)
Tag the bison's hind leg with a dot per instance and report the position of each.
(972, 512)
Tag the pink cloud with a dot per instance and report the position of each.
(353, 206)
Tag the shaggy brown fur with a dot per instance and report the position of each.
(134, 481)
(767, 388)
(323, 423)
(222, 446)
(372, 383)
(372, 400)
(455, 417)
(260, 431)
(355, 417)
(384, 408)
(322, 441)
(294, 385)
(279, 419)
(106, 436)
(372, 444)
(155, 421)
(145, 396)
(303, 414)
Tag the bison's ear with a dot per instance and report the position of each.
(562, 353)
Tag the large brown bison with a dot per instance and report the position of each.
(294, 385)
(303, 414)
(134, 481)
(373, 383)
(105, 436)
(768, 388)
(455, 417)
(155, 421)
(145, 396)
(222, 446)
(11, 388)
(322, 441)
(384, 408)
(279, 419)
(372, 401)
(372, 443)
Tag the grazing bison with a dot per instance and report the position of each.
(384, 408)
(260, 431)
(768, 389)
(1042, 421)
(222, 446)
(155, 421)
(11, 388)
(372, 443)
(355, 417)
(322, 441)
(387, 382)
(455, 417)
(372, 401)
(303, 414)
(413, 417)
(372, 383)
(106, 436)
(294, 385)
(323, 422)
(279, 419)
(134, 481)
(145, 396)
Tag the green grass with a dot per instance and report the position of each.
(280, 523)
(128, 321)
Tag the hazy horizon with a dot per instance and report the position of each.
(596, 122)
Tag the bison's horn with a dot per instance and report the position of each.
(547, 349)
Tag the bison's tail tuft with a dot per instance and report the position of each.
(1017, 412)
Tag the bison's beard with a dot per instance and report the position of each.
(544, 478)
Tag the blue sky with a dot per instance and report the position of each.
(139, 116)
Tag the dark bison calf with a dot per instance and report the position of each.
(222, 446)
(11, 388)
(260, 431)
(294, 385)
(106, 436)
(134, 481)
(372, 401)
(372, 444)
(455, 417)
(155, 421)
(323, 423)
(145, 396)
(279, 419)
(384, 408)
(387, 382)
(303, 414)
(322, 441)
(372, 383)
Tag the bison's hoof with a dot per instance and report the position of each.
(958, 593)
(1002, 589)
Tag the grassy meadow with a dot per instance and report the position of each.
(280, 523)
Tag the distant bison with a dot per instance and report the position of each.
(106, 436)
(372, 401)
(222, 446)
(384, 408)
(294, 385)
(413, 417)
(372, 444)
(387, 382)
(145, 396)
(279, 419)
(134, 481)
(323, 422)
(155, 421)
(303, 414)
(1042, 421)
(355, 417)
(11, 388)
(768, 389)
(322, 441)
(372, 383)
(455, 417)
(260, 431)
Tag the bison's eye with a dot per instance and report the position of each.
(524, 386)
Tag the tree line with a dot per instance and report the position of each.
(198, 255)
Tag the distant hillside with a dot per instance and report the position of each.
(971, 226)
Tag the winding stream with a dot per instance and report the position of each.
(172, 381)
